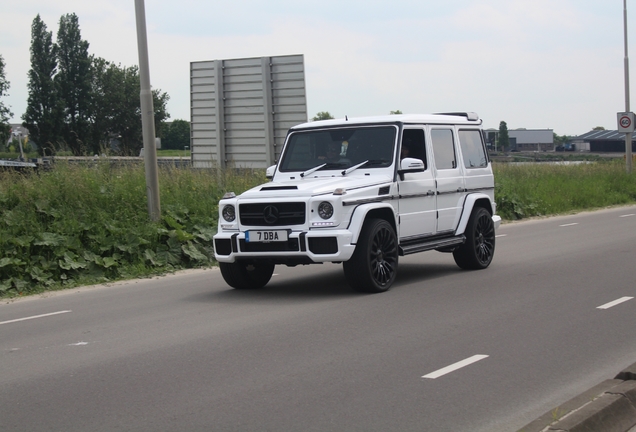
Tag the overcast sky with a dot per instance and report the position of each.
(536, 64)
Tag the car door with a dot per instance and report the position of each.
(448, 174)
(417, 208)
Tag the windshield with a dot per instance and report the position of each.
(339, 148)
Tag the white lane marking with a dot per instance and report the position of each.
(34, 317)
(78, 344)
(570, 224)
(501, 235)
(614, 303)
(628, 215)
(455, 366)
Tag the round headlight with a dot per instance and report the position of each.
(229, 214)
(325, 210)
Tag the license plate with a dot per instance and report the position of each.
(266, 236)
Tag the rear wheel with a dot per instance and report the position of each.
(479, 249)
(246, 275)
(373, 266)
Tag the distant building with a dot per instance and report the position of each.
(525, 139)
(18, 131)
(601, 141)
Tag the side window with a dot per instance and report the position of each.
(444, 148)
(413, 145)
(472, 149)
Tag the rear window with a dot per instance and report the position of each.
(473, 150)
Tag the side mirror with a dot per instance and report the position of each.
(269, 172)
(410, 165)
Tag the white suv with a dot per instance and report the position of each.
(363, 192)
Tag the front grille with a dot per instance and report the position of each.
(289, 246)
(272, 214)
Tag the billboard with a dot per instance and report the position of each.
(241, 109)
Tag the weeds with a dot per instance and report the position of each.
(79, 224)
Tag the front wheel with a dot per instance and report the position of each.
(479, 249)
(246, 275)
(373, 266)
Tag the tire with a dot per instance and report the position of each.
(478, 250)
(373, 266)
(246, 275)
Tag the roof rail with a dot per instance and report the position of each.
(469, 115)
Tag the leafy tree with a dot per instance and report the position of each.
(504, 139)
(599, 128)
(125, 108)
(5, 112)
(176, 136)
(396, 112)
(322, 115)
(74, 81)
(43, 117)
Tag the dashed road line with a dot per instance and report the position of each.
(34, 317)
(501, 235)
(570, 224)
(614, 303)
(628, 215)
(455, 366)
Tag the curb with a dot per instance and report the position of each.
(608, 407)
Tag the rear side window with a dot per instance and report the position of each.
(473, 150)
(443, 148)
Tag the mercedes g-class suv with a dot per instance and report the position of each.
(363, 192)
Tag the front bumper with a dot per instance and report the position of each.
(302, 247)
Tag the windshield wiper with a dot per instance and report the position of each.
(312, 170)
(353, 168)
(369, 162)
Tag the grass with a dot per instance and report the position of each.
(86, 224)
(523, 191)
(83, 224)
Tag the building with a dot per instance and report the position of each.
(524, 139)
(602, 141)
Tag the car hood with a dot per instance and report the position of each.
(312, 186)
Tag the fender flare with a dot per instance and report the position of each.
(360, 215)
(469, 204)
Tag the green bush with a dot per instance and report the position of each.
(79, 224)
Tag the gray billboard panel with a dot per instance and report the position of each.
(241, 109)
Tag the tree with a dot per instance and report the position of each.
(396, 112)
(43, 117)
(125, 109)
(599, 128)
(504, 139)
(322, 115)
(5, 112)
(176, 136)
(74, 81)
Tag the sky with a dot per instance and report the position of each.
(540, 64)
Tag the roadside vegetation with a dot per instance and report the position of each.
(85, 224)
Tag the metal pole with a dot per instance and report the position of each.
(147, 116)
(628, 136)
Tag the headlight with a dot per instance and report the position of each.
(325, 210)
(229, 214)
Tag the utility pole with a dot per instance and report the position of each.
(628, 136)
(147, 116)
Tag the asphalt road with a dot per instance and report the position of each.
(443, 350)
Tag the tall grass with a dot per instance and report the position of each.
(79, 224)
(546, 189)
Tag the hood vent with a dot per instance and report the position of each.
(276, 188)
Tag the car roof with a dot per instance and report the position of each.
(466, 118)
